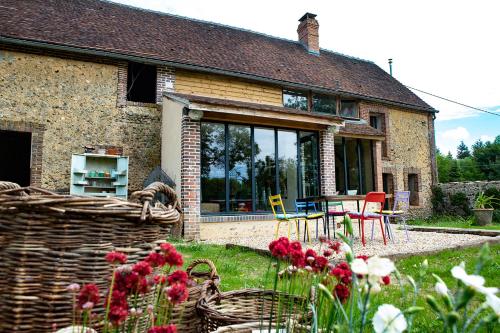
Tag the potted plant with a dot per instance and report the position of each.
(483, 209)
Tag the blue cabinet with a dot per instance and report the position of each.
(99, 175)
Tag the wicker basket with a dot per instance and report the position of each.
(186, 316)
(48, 241)
(250, 308)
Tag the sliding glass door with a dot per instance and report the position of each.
(241, 166)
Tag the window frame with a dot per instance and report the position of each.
(356, 104)
(127, 92)
(226, 211)
(328, 96)
(306, 94)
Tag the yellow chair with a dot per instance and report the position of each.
(283, 217)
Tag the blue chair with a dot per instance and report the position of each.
(308, 211)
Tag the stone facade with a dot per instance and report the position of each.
(75, 102)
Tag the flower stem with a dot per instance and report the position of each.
(109, 299)
(363, 312)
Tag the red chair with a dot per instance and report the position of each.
(372, 197)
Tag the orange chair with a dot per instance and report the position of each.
(368, 214)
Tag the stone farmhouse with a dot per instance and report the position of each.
(231, 115)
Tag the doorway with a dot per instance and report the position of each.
(388, 188)
(15, 157)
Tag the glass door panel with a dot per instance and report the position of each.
(240, 168)
(309, 164)
(265, 167)
(287, 164)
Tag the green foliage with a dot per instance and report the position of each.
(437, 200)
(482, 164)
(459, 204)
(484, 201)
(493, 192)
(447, 221)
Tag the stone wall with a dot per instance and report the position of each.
(75, 102)
(471, 189)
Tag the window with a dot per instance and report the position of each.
(375, 121)
(241, 166)
(141, 83)
(324, 104)
(349, 109)
(353, 165)
(413, 188)
(295, 100)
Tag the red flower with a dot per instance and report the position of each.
(115, 257)
(174, 258)
(155, 259)
(365, 258)
(335, 247)
(159, 279)
(342, 292)
(279, 251)
(386, 280)
(177, 293)
(117, 315)
(177, 277)
(327, 253)
(143, 268)
(297, 258)
(163, 329)
(295, 246)
(323, 239)
(342, 272)
(320, 263)
(89, 293)
(310, 253)
(167, 248)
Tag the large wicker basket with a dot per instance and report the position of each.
(49, 240)
(250, 309)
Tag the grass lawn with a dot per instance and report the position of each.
(246, 269)
(452, 222)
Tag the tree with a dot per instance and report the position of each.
(455, 174)
(487, 157)
(462, 151)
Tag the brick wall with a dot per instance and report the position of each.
(190, 177)
(327, 162)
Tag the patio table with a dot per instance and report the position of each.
(337, 197)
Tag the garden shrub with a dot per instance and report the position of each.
(460, 204)
(437, 200)
(494, 192)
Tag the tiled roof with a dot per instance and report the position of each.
(359, 129)
(123, 30)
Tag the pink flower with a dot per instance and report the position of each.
(88, 306)
(115, 257)
(74, 287)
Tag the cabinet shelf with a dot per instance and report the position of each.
(87, 177)
(100, 187)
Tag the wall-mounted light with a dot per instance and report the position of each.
(195, 115)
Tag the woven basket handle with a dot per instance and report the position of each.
(147, 195)
(208, 262)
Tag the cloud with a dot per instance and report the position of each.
(456, 134)
(485, 138)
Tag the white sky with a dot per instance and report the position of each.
(449, 48)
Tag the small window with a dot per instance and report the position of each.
(141, 83)
(413, 188)
(349, 109)
(295, 100)
(375, 122)
(324, 104)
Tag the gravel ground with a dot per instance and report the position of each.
(419, 241)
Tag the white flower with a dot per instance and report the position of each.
(359, 266)
(380, 266)
(389, 319)
(474, 281)
(494, 302)
(441, 288)
(72, 329)
(345, 248)
(375, 288)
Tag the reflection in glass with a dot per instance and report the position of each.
(213, 185)
(287, 164)
(309, 163)
(240, 166)
(324, 104)
(352, 164)
(349, 109)
(367, 166)
(265, 167)
(295, 100)
(339, 166)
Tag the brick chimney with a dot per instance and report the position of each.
(308, 33)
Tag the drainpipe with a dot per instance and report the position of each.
(390, 66)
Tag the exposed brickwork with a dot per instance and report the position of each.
(368, 109)
(37, 131)
(308, 31)
(165, 81)
(190, 177)
(415, 171)
(327, 162)
(377, 158)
